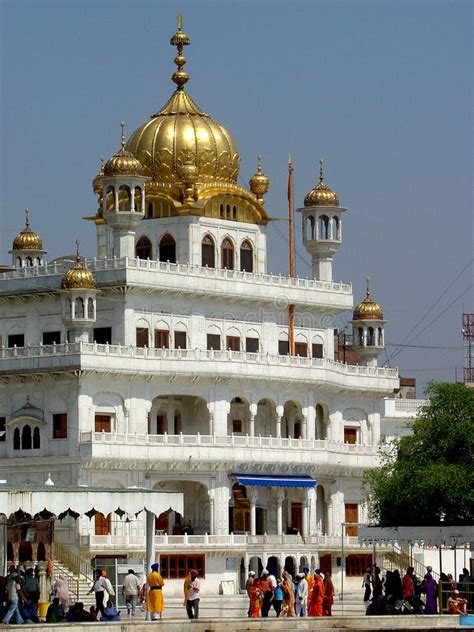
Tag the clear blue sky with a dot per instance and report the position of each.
(381, 90)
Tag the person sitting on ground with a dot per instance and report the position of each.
(28, 611)
(55, 612)
(77, 613)
(110, 612)
(456, 604)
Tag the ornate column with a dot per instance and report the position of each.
(312, 510)
(336, 423)
(211, 493)
(218, 412)
(279, 412)
(253, 413)
(253, 497)
(280, 497)
(310, 422)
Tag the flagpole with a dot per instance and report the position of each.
(291, 307)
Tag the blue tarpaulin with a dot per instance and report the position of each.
(275, 480)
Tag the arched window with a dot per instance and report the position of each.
(36, 438)
(26, 438)
(246, 256)
(227, 254)
(311, 226)
(370, 336)
(110, 199)
(137, 199)
(90, 308)
(68, 313)
(79, 310)
(234, 213)
(324, 227)
(18, 262)
(125, 198)
(336, 234)
(208, 252)
(143, 248)
(29, 262)
(227, 211)
(379, 337)
(38, 261)
(16, 439)
(168, 249)
(149, 212)
(221, 211)
(360, 332)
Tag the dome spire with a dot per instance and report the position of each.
(122, 137)
(367, 293)
(180, 40)
(321, 174)
(27, 219)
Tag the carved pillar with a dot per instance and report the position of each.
(310, 422)
(280, 497)
(253, 496)
(253, 413)
(279, 412)
(312, 510)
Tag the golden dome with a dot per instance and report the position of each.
(27, 239)
(123, 163)
(259, 182)
(368, 309)
(78, 277)
(97, 184)
(181, 132)
(321, 195)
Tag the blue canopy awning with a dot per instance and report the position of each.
(275, 480)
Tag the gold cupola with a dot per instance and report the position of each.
(27, 239)
(259, 183)
(123, 163)
(321, 194)
(97, 182)
(180, 132)
(78, 277)
(368, 309)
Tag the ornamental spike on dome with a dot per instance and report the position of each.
(321, 195)
(180, 40)
(259, 182)
(123, 163)
(27, 239)
(97, 185)
(78, 277)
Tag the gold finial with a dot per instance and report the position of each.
(321, 174)
(78, 256)
(101, 164)
(368, 287)
(122, 140)
(180, 40)
(27, 220)
(259, 164)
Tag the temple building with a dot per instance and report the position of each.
(168, 362)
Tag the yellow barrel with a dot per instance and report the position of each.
(43, 609)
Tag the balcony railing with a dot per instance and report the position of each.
(391, 407)
(238, 541)
(244, 441)
(188, 270)
(201, 355)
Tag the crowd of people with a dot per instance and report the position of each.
(410, 594)
(304, 595)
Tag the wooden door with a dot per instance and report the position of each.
(297, 516)
(350, 435)
(351, 516)
(325, 563)
(103, 423)
(102, 524)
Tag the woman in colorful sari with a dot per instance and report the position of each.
(328, 599)
(288, 606)
(255, 594)
(155, 601)
(317, 596)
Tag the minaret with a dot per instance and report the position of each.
(368, 334)
(123, 198)
(322, 227)
(79, 301)
(27, 248)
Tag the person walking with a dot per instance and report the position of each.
(61, 591)
(408, 585)
(194, 594)
(288, 606)
(377, 584)
(130, 591)
(109, 588)
(317, 596)
(248, 586)
(13, 594)
(266, 586)
(430, 588)
(98, 588)
(155, 600)
(328, 599)
(31, 588)
(278, 597)
(301, 599)
(366, 583)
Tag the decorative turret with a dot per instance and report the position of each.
(368, 330)
(259, 183)
(322, 227)
(27, 248)
(79, 301)
(123, 196)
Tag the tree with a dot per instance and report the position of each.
(428, 477)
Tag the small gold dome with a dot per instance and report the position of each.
(123, 163)
(321, 195)
(259, 183)
(97, 184)
(368, 309)
(27, 239)
(78, 277)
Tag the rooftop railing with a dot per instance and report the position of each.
(201, 355)
(183, 269)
